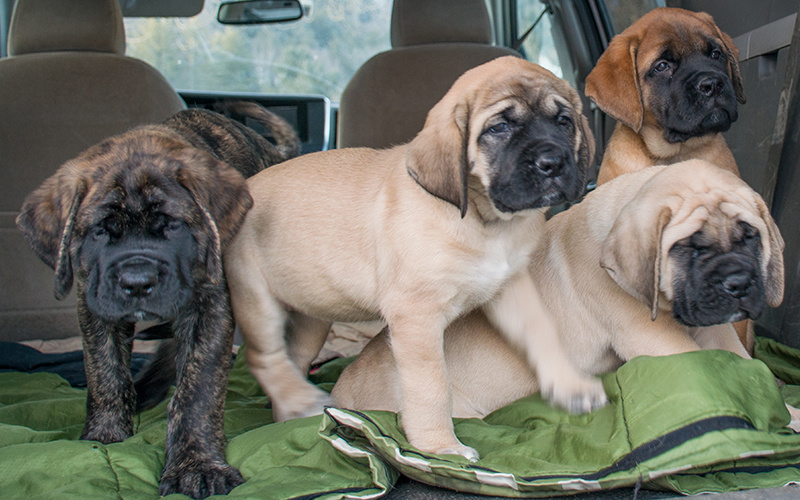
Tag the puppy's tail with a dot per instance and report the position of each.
(278, 130)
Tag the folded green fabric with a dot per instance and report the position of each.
(706, 421)
(699, 422)
(41, 418)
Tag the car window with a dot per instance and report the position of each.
(314, 55)
(624, 12)
(539, 46)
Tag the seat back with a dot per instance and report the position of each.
(433, 43)
(65, 85)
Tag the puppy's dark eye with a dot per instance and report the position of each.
(99, 232)
(716, 54)
(164, 224)
(564, 120)
(698, 251)
(748, 232)
(699, 244)
(113, 227)
(498, 128)
(661, 66)
(172, 225)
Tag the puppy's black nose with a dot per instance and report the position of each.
(550, 164)
(138, 280)
(711, 85)
(737, 284)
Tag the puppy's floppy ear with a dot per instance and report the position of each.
(613, 84)
(47, 219)
(732, 54)
(221, 194)
(773, 281)
(437, 157)
(632, 252)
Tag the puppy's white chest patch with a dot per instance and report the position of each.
(493, 269)
(500, 261)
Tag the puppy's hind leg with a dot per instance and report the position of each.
(262, 321)
(153, 381)
(305, 337)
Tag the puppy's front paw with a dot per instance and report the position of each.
(307, 404)
(576, 394)
(200, 479)
(441, 443)
(465, 451)
(106, 432)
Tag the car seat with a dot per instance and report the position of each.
(433, 43)
(65, 85)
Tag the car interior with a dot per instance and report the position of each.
(433, 43)
(68, 79)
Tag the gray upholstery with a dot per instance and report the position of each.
(53, 26)
(422, 22)
(65, 86)
(433, 43)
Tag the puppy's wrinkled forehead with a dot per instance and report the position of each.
(720, 229)
(137, 184)
(714, 217)
(528, 94)
(676, 40)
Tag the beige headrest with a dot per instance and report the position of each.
(66, 25)
(417, 22)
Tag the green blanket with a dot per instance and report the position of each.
(697, 422)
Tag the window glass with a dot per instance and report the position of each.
(538, 46)
(624, 12)
(314, 55)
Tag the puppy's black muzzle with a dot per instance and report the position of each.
(714, 94)
(725, 289)
(140, 280)
(702, 102)
(542, 174)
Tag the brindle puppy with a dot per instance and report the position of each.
(140, 220)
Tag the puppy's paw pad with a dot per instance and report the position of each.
(200, 480)
(465, 451)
